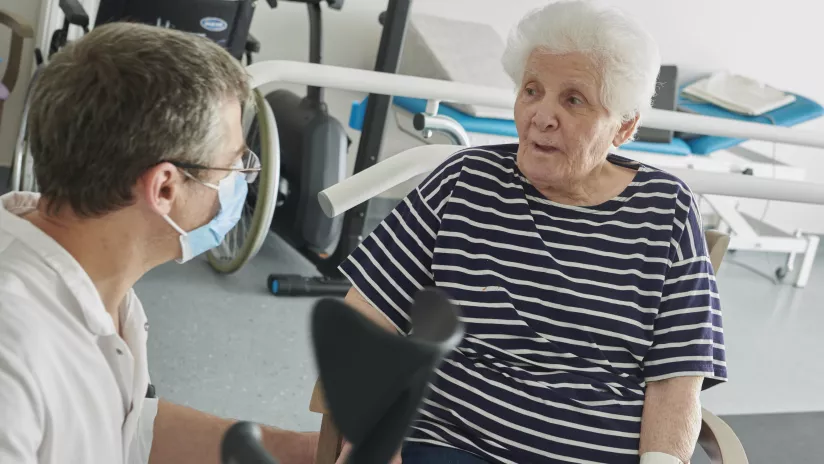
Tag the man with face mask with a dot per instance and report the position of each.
(140, 157)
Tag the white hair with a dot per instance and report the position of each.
(625, 54)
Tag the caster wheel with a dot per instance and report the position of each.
(781, 272)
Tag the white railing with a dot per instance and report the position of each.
(417, 161)
(359, 80)
(412, 163)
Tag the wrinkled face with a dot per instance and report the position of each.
(563, 128)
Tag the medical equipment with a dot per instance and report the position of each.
(443, 124)
(739, 94)
(313, 147)
(418, 161)
(665, 98)
(801, 110)
(394, 21)
(246, 240)
(232, 191)
(225, 21)
(466, 52)
(313, 233)
(375, 399)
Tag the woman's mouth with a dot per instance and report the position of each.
(544, 148)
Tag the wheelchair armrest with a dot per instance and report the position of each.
(20, 31)
(75, 14)
(18, 25)
(719, 441)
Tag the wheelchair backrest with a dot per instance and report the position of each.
(226, 22)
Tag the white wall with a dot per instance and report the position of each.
(773, 41)
(30, 11)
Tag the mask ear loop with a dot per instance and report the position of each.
(174, 225)
(185, 248)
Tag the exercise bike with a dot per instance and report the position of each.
(313, 150)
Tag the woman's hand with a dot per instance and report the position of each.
(347, 448)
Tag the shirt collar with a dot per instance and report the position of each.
(16, 204)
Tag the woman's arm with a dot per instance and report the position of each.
(356, 300)
(672, 417)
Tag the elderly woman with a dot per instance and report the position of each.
(591, 309)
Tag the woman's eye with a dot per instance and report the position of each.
(530, 91)
(576, 101)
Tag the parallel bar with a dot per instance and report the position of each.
(433, 89)
(726, 208)
(420, 160)
(761, 243)
(371, 182)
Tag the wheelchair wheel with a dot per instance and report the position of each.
(22, 165)
(244, 241)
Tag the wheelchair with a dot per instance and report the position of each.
(227, 22)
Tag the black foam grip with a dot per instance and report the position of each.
(242, 445)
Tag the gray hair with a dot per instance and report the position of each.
(627, 56)
(122, 99)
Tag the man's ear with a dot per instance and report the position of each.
(626, 131)
(159, 187)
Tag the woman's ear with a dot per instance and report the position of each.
(626, 131)
(158, 188)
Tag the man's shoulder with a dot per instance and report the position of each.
(28, 289)
(23, 331)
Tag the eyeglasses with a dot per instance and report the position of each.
(250, 166)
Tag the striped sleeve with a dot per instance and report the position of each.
(688, 339)
(395, 261)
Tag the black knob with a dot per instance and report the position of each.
(241, 444)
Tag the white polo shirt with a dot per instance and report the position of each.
(71, 389)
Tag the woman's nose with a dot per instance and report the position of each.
(545, 118)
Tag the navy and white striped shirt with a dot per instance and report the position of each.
(569, 310)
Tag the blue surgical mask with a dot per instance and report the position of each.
(232, 196)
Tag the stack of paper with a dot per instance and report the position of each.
(738, 94)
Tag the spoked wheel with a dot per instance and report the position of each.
(22, 165)
(244, 241)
